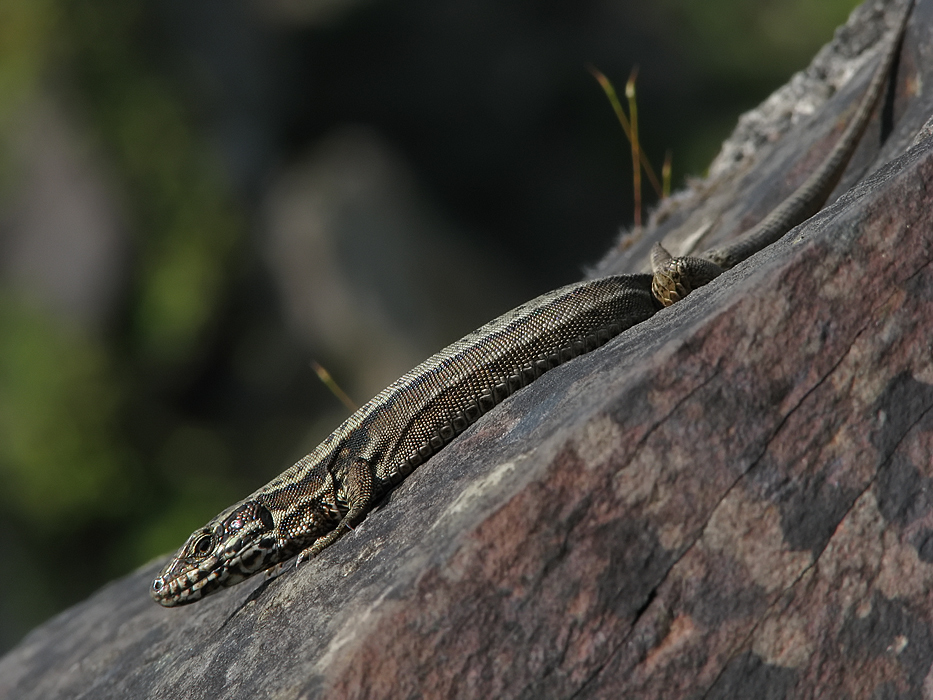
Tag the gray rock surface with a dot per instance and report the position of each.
(733, 499)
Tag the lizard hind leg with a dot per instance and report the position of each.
(358, 486)
(674, 278)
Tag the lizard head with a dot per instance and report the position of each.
(233, 546)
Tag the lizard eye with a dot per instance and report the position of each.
(204, 545)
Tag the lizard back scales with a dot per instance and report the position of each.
(311, 504)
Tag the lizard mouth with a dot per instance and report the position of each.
(184, 581)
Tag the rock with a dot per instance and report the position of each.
(733, 499)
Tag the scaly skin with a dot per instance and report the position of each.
(313, 503)
(318, 499)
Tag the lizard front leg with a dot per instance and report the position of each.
(358, 486)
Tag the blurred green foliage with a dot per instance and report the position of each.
(185, 224)
(746, 49)
(81, 499)
(753, 41)
(61, 461)
(27, 29)
(97, 474)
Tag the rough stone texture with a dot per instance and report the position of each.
(734, 499)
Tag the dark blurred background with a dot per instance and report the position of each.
(199, 197)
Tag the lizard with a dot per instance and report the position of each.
(322, 496)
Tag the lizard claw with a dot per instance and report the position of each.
(305, 555)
